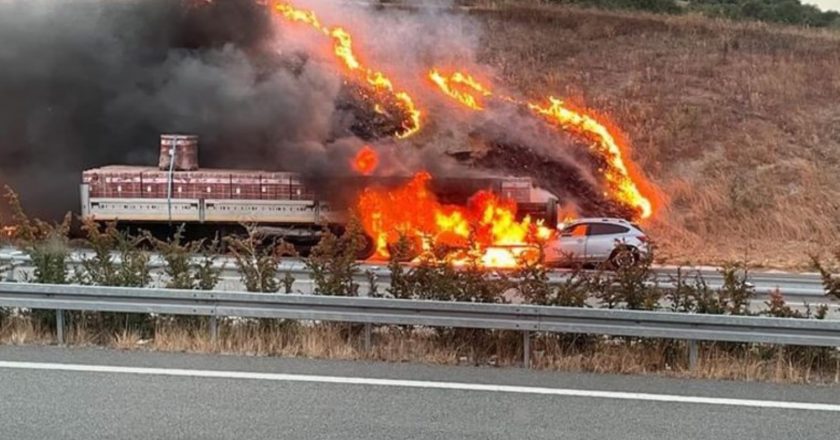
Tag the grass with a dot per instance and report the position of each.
(736, 123)
(464, 347)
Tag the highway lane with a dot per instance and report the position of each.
(140, 396)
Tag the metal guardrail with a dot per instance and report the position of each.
(525, 318)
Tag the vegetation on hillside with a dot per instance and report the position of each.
(773, 11)
(736, 123)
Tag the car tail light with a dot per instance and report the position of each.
(642, 238)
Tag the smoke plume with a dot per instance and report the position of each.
(93, 82)
(87, 83)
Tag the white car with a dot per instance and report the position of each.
(614, 241)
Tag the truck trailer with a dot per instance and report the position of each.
(278, 203)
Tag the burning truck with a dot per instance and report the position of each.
(286, 205)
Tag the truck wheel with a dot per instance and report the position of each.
(368, 248)
(414, 248)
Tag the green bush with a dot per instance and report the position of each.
(791, 12)
(189, 265)
(46, 245)
(660, 6)
(775, 11)
(334, 263)
(117, 259)
(257, 260)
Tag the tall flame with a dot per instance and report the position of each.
(617, 174)
(624, 187)
(487, 222)
(449, 86)
(343, 50)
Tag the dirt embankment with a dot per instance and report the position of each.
(737, 124)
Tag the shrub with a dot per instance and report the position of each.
(46, 244)
(183, 269)
(736, 291)
(400, 286)
(258, 261)
(288, 282)
(831, 283)
(117, 259)
(532, 281)
(637, 286)
(333, 261)
(683, 296)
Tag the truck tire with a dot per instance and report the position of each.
(366, 251)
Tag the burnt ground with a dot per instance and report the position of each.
(564, 180)
(361, 116)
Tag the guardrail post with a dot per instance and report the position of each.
(368, 337)
(59, 326)
(693, 354)
(526, 349)
(214, 329)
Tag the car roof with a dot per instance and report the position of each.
(613, 220)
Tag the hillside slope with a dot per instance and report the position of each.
(738, 124)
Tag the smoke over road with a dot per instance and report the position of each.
(87, 83)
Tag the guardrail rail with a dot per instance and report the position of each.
(524, 318)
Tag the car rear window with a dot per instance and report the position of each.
(575, 230)
(606, 229)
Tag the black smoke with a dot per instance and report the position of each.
(86, 83)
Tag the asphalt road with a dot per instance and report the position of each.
(48, 392)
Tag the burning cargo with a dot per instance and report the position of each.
(279, 203)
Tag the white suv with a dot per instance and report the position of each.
(598, 240)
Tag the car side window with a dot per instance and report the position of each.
(575, 230)
(606, 229)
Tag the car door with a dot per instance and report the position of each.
(571, 244)
(601, 240)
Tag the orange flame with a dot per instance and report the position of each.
(343, 50)
(617, 174)
(623, 185)
(487, 222)
(366, 161)
(447, 85)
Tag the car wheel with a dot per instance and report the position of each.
(624, 257)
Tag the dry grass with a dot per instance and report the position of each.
(18, 330)
(393, 344)
(738, 124)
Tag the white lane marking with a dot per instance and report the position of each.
(459, 386)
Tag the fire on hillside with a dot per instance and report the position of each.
(487, 225)
(473, 212)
